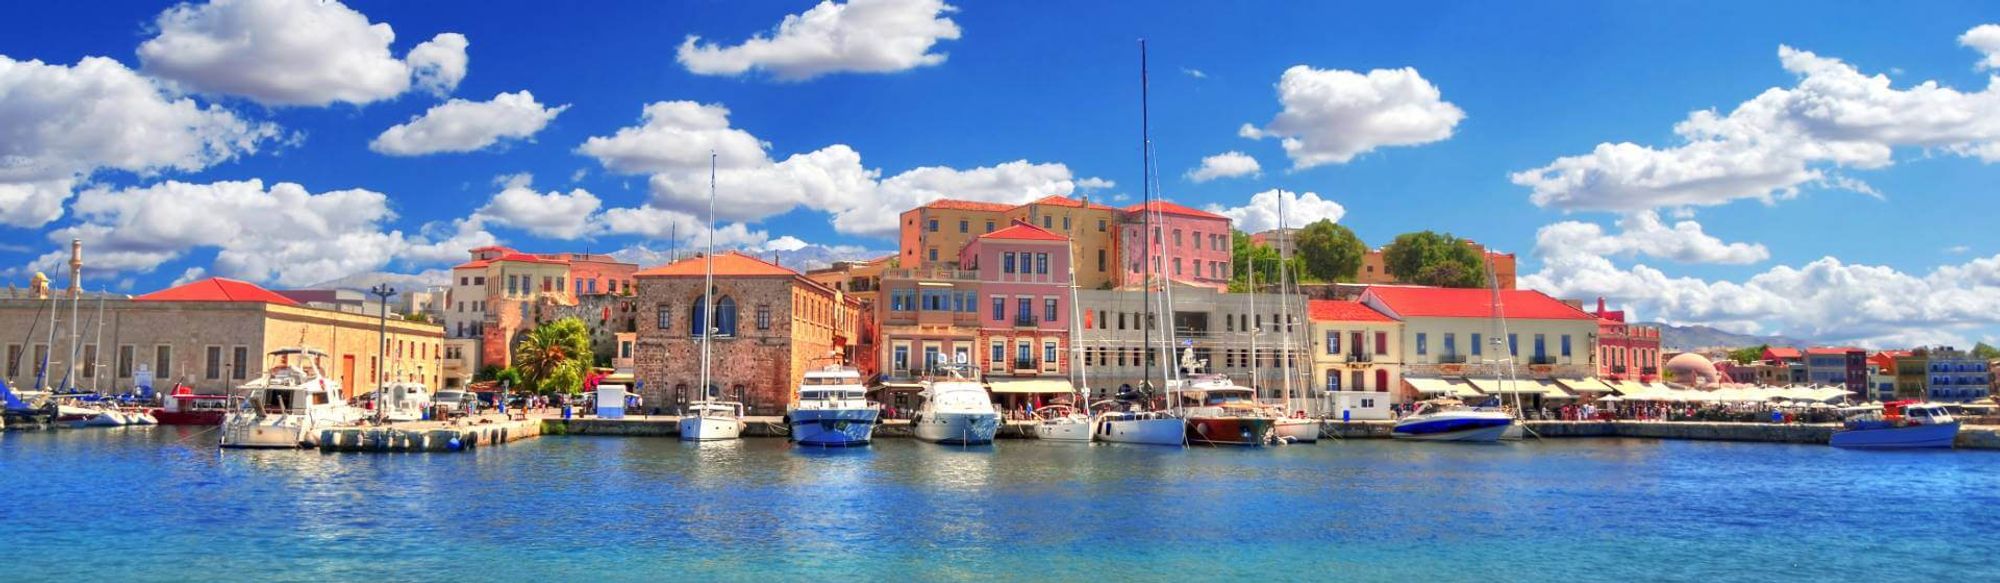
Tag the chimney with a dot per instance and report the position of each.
(1600, 305)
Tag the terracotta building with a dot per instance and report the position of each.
(213, 334)
(1375, 272)
(1625, 350)
(861, 280)
(1024, 311)
(770, 325)
(500, 293)
(932, 235)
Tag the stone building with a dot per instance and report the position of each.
(500, 293)
(861, 280)
(770, 324)
(213, 334)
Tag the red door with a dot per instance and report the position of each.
(347, 376)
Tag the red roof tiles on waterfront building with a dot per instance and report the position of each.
(1440, 302)
(727, 264)
(1781, 353)
(1020, 231)
(968, 205)
(1831, 350)
(1064, 201)
(1343, 311)
(1169, 208)
(217, 289)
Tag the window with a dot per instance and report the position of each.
(1049, 354)
(989, 226)
(933, 225)
(1048, 309)
(1177, 237)
(1047, 222)
(1100, 260)
(933, 254)
(1381, 380)
(127, 354)
(1177, 266)
(1541, 350)
(1476, 349)
(1333, 380)
(1100, 225)
(1422, 344)
(1382, 343)
(1332, 342)
(1042, 263)
(999, 308)
(1514, 345)
(1065, 222)
(1197, 240)
(163, 362)
(1025, 311)
(964, 226)
(1007, 262)
(13, 360)
(1565, 345)
(763, 316)
(1450, 344)
(901, 358)
(212, 364)
(89, 361)
(997, 356)
(1024, 356)
(1197, 269)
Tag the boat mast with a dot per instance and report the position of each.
(1285, 298)
(1256, 328)
(708, 287)
(1077, 370)
(99, 343)
(1146, 216)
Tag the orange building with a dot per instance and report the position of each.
(932, 234)
(1375, 272)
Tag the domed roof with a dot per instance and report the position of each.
(1693, 369)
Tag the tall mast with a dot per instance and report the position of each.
(48, 348)
(1145, 214)
(1285, 296)
(99, 343)
(708, 283)
(1256, 327)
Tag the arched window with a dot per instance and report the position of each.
(725, 316)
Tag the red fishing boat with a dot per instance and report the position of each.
(183, 407)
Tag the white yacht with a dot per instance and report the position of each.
(832, 409)
(403, 401)
(956, 410)
(711, 420)
(289, 405)
(1063, 423)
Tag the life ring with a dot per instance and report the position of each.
(1299, 414)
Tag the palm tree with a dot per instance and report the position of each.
(553, 357)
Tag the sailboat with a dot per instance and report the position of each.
(1069, 423)
(1292, 424)
(709, 419)
(1136, 425)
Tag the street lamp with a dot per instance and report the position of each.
(382, 291)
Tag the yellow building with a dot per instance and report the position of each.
(212, 335)
(931, 235)
(1356, 357)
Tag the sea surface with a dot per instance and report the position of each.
(163, 504)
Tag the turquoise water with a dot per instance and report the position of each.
(164, 504)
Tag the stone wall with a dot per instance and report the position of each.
(758, 366)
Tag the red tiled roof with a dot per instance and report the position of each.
(474, 264)
(491, 248)
(1830, 350)
(1169, 208)
(1440, 302)
(1024, 232)
(1064, 201)
(1343, 311)
(727, 264)
(526, 258)
(1780, 352)
(967, 205)
(216, 289)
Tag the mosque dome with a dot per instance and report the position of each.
(1692, 369)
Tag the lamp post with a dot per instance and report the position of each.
(382, 291)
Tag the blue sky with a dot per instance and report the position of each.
(1863, 224)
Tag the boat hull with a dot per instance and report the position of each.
(1234, 431)
(832, 427)
(276, 432)
(1454, 428)
(1941, 435)
(704, 428)
(957, 428)
(1152, 431)
(1067, 429)
(1298, 430)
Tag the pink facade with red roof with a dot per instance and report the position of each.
(1024, 300)
(1187, 245)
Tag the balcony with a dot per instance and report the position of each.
(1541, 360)
(930, 273)
(1617, 369)
(1451, 359)
(1024, 321)
(1024, 365)
(1358, 356)
(1649, 370)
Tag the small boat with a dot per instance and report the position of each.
(1297, 429)
(833, 409)
(1897, 425)
(1062, 423)
(1450, 420)
(1224, 413)
(956, 409)
(710, 420)
(403, 401)
(287, 406)
(183, 407)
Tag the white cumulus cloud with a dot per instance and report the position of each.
(553, 215)
(1644, 234)
(860, 36)
(58, 125)
(1330, 115)
(1984, 38)
(1229, 164)
(293, 52)
(1262, 214)
(1769, 147)
(465, 126)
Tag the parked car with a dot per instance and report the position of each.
(456, 403)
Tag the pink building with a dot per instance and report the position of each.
(1188, 245)
(1626, 351)
(1024, 279)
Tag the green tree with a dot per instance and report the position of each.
(1436, 259)
(1984, 351)
(1246, 255)
(554, 357)
(1749, 354)
(1329, 251)
(507, 376)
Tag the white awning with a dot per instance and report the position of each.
(1530, 386)
(1031, 387)
(1454, 387)
(1585, 385)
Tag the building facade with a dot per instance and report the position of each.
(1626, 350)
(933, 234)
(1356, 357)
(1241, 335)
(500, 293)
(1453, 334)
(1375, 271)
(1187, 245)
(213, 335)
(769, 325)
(1955, 375)
(1024, 310)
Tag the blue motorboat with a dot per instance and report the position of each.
(832, 410)
(1449, 421)
(1897, 425)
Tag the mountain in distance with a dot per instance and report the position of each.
(1683, 338)
(401, 281)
